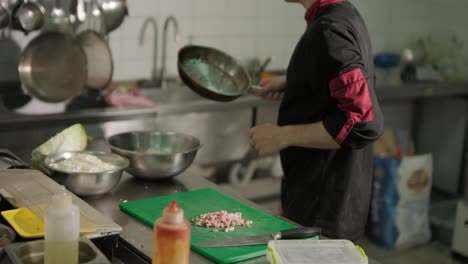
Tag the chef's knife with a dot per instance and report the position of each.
(303, 232)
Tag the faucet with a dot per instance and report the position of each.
(154, 81)
(168, 20)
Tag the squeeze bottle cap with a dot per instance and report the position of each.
(62, 199)
(173, 214)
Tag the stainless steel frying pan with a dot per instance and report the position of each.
(213, 74)
(52, 67)
(100, 65)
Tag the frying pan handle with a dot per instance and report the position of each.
(253, 89)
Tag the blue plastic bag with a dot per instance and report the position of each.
(400, 201)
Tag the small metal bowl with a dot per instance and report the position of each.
(88, 183)
(155, 155)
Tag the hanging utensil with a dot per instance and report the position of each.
(30, 16)
(59, 18)
(213, 74)
(53, 66)
(10, 57)
(6, 10)
(4, 14)
(100, 66)
(113, 12)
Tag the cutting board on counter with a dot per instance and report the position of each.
(32, 189)
(206, 200)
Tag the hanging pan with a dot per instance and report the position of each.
(99, 57)
(52, 67)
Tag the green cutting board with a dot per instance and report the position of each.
(206, 200)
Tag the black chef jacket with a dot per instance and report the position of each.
(330, 78)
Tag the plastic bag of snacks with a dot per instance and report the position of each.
(400, 201)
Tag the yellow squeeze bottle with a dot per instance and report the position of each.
(171, 243)
(61, 230)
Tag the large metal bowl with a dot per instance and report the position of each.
(88, 183)
(155, 155)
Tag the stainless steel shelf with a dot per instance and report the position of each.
(422, 90)
(11, 121)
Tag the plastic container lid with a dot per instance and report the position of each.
(315, 251)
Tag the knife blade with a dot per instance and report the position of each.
(302, 232)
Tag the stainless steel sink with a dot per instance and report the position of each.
(32, 252)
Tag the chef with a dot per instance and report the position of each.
(328, 118)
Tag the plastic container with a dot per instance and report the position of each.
(61, 230)
(315, 251)
(171, 243)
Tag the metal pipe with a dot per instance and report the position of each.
(152, 21)
(168, 20)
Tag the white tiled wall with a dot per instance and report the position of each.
(262, 28)
(243, 28)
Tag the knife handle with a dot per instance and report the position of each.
(302, 232)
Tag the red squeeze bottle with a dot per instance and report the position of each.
(171, 243)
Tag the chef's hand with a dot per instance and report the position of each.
(272, 89)
(268, 139)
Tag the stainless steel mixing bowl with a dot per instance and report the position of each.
(88, 183)
(155, 155)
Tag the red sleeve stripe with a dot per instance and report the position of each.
(313, 10)
(352, 93)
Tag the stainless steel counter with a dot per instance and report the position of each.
(140, 236)
(13, 121)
